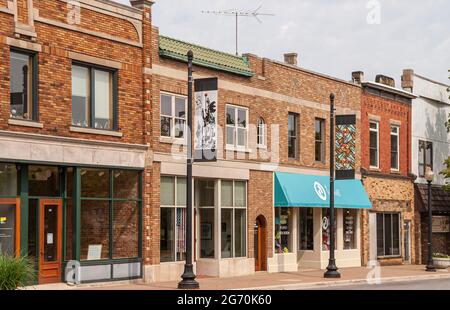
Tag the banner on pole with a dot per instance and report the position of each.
(345, 147)
(206, 99)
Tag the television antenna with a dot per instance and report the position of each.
(240, 13)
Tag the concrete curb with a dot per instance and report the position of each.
(300, 286)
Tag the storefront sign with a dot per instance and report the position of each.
(94, 252)
(320, 191)
(441, 224)
(206, 101)
(345, 147)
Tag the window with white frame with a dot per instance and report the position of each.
(173, 219)
(261, 132)
(173, 115)
(237, 126)
(395, 147)
(374, 144)
(233, 219)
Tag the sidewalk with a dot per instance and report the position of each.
(276, 281)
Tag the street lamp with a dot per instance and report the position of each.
(332, 270)
(188, 282)
(429, 176)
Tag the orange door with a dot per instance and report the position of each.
(50, 240)
(260, 246)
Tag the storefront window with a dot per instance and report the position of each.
(205, 190)
(95, 183)
(326, 231)
(306, 229)
(106, 217)
(283, 230)
(350, 222)
(7, 229)
(388, 234)
(94, 230)
(233, 219)
(8, 180)
(43, 181)
(173, 219)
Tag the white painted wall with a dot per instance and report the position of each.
(429, 114)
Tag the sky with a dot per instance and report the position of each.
(333, 37)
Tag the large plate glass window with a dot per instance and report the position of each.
(388, 234)
(283, 230)
(326, 229)
(233, 219)
(23, 85)
(205, 200)
(173, 219)
(350, 226)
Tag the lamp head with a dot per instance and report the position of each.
(429, 174)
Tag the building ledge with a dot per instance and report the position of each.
(25, 123)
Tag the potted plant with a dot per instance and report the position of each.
(15, 272)
(441, 261)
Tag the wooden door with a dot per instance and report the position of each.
(50, 240)
(260, 246)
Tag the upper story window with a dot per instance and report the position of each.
(261, 132)
(395, 147)
(23, 85)
(319, 139)
(425, 156)
(292, 135)
(173, 116)
(94, 97)
(374, 144)
(237, 126)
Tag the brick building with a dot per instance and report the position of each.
(390, 230)
(72, 135)
(273, 120)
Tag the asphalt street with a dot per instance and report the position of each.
(436, 284)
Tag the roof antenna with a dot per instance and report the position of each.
(240, 13)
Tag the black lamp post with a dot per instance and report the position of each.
(332, 270)
(429, 175)
(188, 282)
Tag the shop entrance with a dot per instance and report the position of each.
(50, 240)
(260, 244)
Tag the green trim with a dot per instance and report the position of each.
(60, 164)
(205, 57)
(76, 235)
(24, 209)
(140, 215)
(63, 181)
(111, 261)
(111, 213)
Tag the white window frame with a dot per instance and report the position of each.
(377, 131)
(172, 117)
(233, 219)
(236, 127)
(261, 133)
(175, 206)
(397, 134)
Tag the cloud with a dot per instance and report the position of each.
(330, 36)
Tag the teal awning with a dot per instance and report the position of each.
(302, 190)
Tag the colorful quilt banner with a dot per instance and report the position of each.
(345, 148)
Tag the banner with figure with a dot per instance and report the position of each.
(345, 147)
(206, 96)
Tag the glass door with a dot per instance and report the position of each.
(10, 226)
(50, 240)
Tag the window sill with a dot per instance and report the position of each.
(170, 140)
(96, 131)
(389, 257)
(376, 169)
(237, 149)
(262, 147)
(395, 171)
(25, 123)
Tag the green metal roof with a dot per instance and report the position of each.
(205, 57)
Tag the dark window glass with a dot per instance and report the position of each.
(32, 229)
(374, 144)
(226, 233)
(43, 181)
(95, 230)
(125, 229)
(306, 229)
(126, 184)
(380, 235)
(21, 85)
(7, 229)
(167, 235)
(425, 156)
(319, 139)
(8, 180)
(388, 234)
(80, 96)
(395, 147)
(240, 228)
(94, 183)
(292, 135)
(207, 233)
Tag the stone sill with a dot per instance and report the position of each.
(25, 123)
(96, 131)
(169, 140)
(237, 149)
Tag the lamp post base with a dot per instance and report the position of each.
(332, 271)
(430, 268)
(188, 282)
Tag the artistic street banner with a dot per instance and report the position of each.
(206, 96)
(345, 147)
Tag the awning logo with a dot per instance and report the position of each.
(320, 191)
